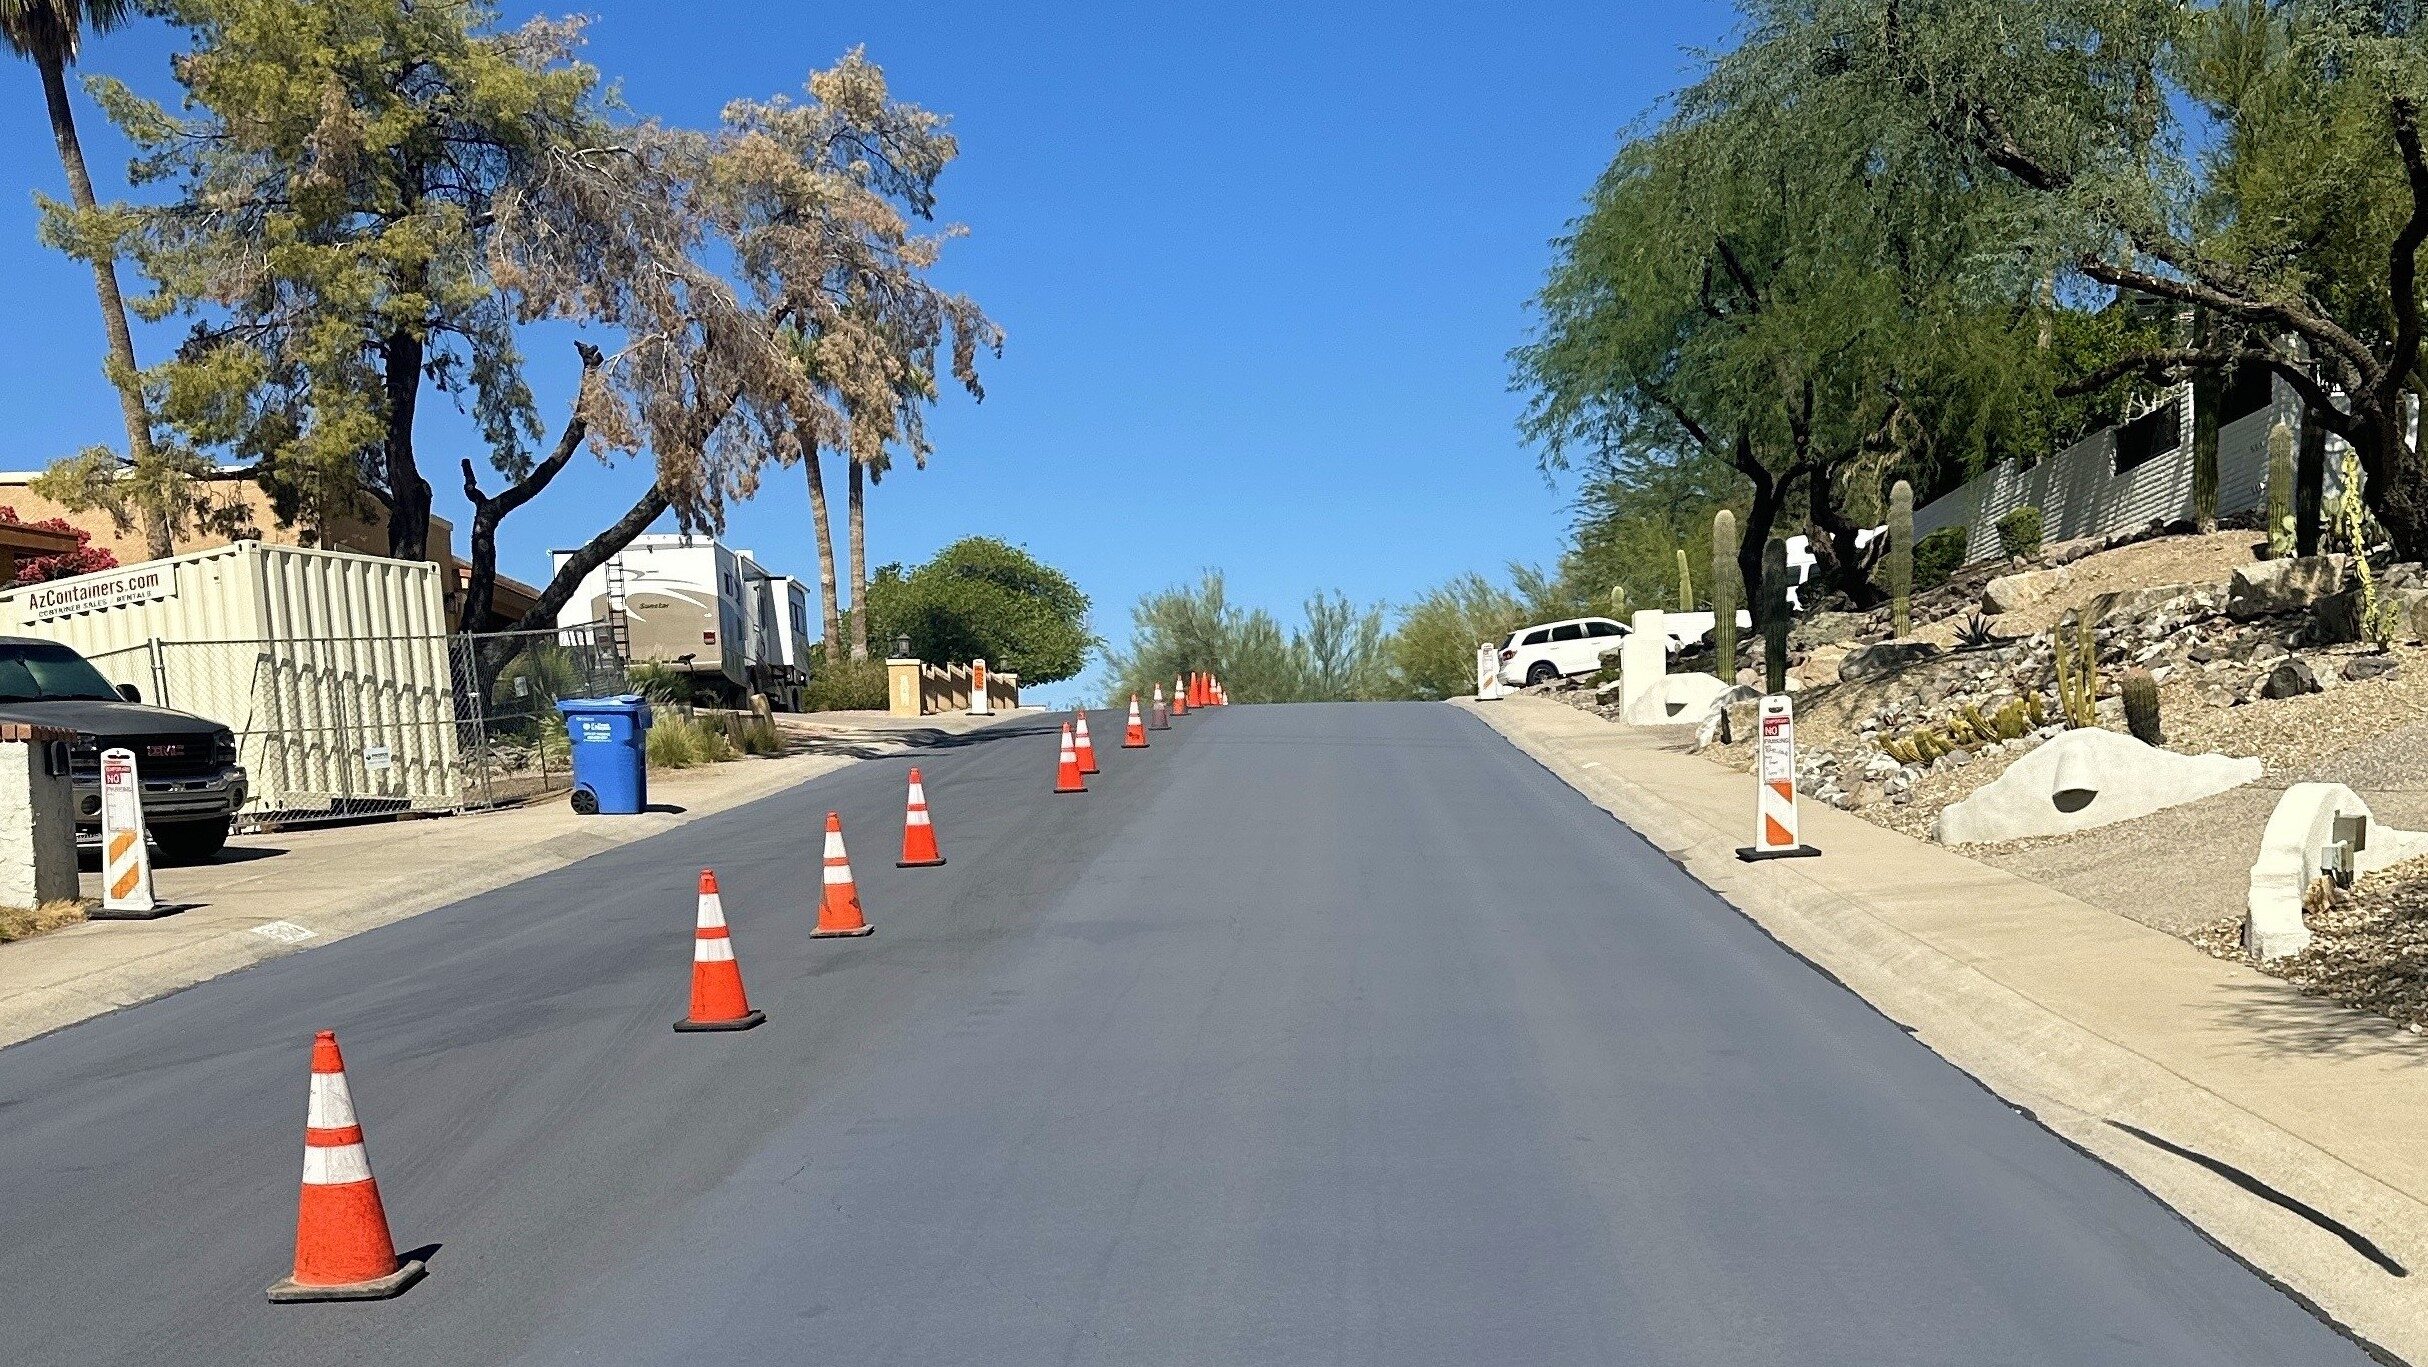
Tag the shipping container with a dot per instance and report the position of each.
(331, 668)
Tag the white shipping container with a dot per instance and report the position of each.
(331, 668)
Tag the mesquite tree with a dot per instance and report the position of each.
(2172, 152)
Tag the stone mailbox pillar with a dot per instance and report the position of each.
(37, 816)
(903, 693)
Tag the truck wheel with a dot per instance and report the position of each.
(191, 842)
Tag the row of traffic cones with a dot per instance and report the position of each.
(343, 1248)
(1078, 757)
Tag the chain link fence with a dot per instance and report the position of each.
(338, 728)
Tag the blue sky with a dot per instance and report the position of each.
(1259, 270)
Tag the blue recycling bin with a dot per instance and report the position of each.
(610, 739)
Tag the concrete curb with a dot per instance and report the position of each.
(2300, 1215)
(173, 954)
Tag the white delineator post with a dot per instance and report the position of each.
(1775, 785)
(126, 866)
(980, 704)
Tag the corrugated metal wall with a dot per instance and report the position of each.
(2080, 493)
(332, 669)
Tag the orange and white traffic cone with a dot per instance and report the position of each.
(1084, 746)
(839, 902)
(343, 1251)
(1134, 738)
(1159, 714)
(717, 999)
(1067, 778)
(919, 849)
(1180, 697)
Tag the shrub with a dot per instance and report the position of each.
(678, 742)
(845, 686)
(2019, 532)
(1937, 556)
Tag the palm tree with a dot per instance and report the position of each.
(50, 33)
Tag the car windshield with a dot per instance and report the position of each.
(44, 671)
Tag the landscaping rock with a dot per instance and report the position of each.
(1866, 662)
(2291, 678)
(2269, 587)
(2371, 667)
(2009, 592)
(1830, 628)
(2170, 600)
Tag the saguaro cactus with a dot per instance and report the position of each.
(1774, 616)
(1618, 601)
(1686, 583)
(1900, 559)
(2280, 492)
(1724, 595)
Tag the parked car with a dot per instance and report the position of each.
(1539, 654)
(192, 785)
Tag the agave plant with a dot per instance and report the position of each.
(1977, 633)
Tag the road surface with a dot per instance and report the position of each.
(1337, 1034)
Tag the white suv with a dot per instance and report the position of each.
(1539, 654)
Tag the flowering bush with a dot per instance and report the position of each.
(86, 558)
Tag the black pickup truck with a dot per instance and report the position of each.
(192, 784)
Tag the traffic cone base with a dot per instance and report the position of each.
(822, 933)
(756, 1017)
(287, 1290)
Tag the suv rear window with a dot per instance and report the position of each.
(1574, 631)
(1601, 628)
(38, 671)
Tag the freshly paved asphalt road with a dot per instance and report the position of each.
(1312, 1035)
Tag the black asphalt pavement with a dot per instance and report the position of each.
(1338, 1034)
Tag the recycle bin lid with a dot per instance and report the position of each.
(622, 702)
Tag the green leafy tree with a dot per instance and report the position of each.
(50, 34)
(2258, 163)
(1432, 649)
(982, 599)
(1337, 654)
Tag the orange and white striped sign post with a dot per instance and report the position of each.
(1775, 768)
(980, 704)
(1488, 673)
(126, 866)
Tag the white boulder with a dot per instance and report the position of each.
(2081, 780)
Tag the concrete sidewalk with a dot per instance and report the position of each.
(277, 893)
(2288, 1129)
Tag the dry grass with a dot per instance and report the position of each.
(16, 923)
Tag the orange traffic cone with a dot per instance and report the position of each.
(717, 999)
(1084, 746)
(839, 904)
(1066, 775)
(1180, 697)
(1159, 715)
(918, 833)
(1135, 738)
(342, 1248)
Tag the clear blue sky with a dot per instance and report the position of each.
(1260, 270)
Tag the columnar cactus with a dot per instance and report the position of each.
(1618, 601)
(1686, 583)
(1724, 595)
(1774, 616)
(1900, 559)
(2280, 492)
(2140, 691)
(2077, 661)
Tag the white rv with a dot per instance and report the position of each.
(702, 607)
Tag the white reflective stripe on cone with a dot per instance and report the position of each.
(712, 909)
(332, 1106)
(838, 873)
(338, 1165)
(713, 949)
(916, 817)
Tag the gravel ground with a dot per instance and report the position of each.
(2369, 951)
